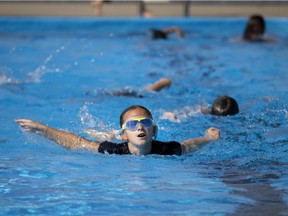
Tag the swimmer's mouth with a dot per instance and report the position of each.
(141, 135)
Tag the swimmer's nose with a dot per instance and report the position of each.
(140, 126)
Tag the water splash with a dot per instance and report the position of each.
(35, 76)
(90, 121)
(7, 79)
(93, 126)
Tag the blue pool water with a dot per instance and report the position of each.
(62, 71)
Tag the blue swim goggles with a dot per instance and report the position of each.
(132, 124)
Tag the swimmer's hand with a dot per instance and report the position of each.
(101, 136)
(171, 116)
(212, 133)
(32, 126)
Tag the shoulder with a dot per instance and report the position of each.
(166, 148)
(113, 148)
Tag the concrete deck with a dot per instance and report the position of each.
(131, 8)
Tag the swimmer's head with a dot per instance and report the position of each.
(158, 34)
(225, 105)
(137, 111)
(255, 28)
(143, 110)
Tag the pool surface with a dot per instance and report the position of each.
(62, 72)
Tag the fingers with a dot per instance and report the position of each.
(165, 81)
(212, 133)
(21, 121)
(25, 124)
(213, 130)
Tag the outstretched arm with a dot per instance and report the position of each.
(193, 144)
(102, 136)
(174, 29)
(160, 84)
(65, 139)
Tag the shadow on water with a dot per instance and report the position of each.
(256, 186)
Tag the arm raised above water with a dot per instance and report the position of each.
(193, 144)
(174, 29)
(160, 84)
(65, 139)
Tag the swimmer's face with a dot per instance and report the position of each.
(257, 26)
(142, 135)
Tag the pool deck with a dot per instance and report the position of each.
(162, 8)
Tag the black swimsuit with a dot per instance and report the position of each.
(160, 148)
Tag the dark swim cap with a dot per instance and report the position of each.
(225, 105)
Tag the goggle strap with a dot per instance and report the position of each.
(119, 132)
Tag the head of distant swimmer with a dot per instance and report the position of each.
(255, 28)
(225, 105)
(158, 34)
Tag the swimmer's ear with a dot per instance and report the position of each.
(123, 135)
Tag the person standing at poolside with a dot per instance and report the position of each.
(138, 131)
(97, 6)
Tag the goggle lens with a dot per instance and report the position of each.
(132, 124)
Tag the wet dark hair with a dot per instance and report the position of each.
(225, 105)
(158, 34)
(132, 108)
(255, 27)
